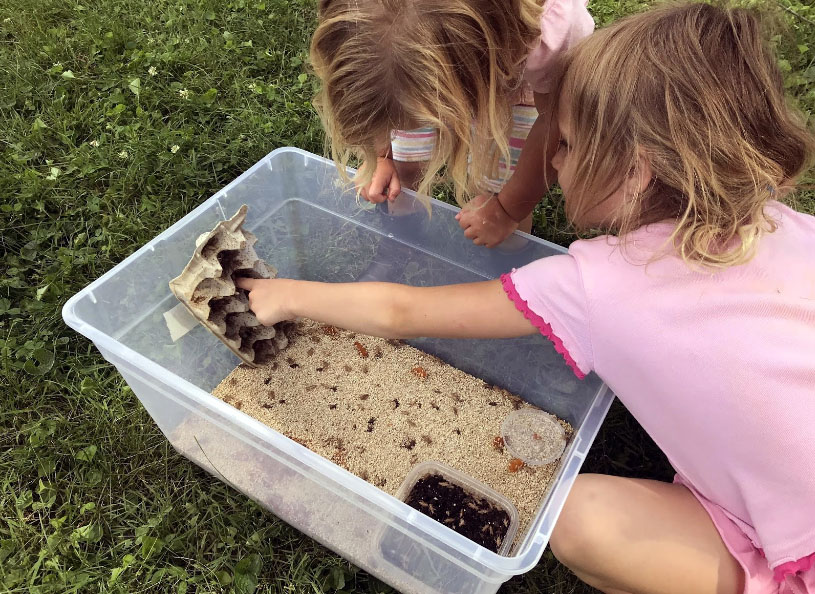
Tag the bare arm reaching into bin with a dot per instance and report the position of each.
(490, 219)
(472, 310)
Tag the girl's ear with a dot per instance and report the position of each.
(641, 175)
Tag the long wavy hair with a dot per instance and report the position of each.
(696, 89)
(454, 65)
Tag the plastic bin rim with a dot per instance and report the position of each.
(513, 565)
(194, 213)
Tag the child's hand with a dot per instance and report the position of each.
(485, 221)
(266, 298)
(384, 184)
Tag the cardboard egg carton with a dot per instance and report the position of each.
(207, 288)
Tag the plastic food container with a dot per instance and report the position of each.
(470, 484)
(310, 226)
(533, 436)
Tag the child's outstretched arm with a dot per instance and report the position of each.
(472, 310)
(534, 172)
(490, 220)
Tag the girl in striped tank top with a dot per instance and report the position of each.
(416, 87)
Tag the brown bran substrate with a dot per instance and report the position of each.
(378, 407)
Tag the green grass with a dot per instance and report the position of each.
(116, 118)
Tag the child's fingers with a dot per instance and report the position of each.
(470, 221)
(370, 196)
(470, 233)
(246, 283)
(394, 189)
(376, 191)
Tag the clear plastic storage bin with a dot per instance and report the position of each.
(310, 226)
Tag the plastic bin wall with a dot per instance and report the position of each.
(310, 226)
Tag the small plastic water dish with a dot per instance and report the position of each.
(533, 436)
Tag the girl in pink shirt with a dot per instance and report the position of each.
(412, 87)
(698, 307)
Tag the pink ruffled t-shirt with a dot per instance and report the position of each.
(718, 366)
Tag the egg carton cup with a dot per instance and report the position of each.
(207, 288)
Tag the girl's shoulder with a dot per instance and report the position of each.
(794, 221)
(792, 245)
(646, 244)
(563, 24)
(649, 252)
(564, 11)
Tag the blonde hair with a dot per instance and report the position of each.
(696, 90)
(449, 64)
